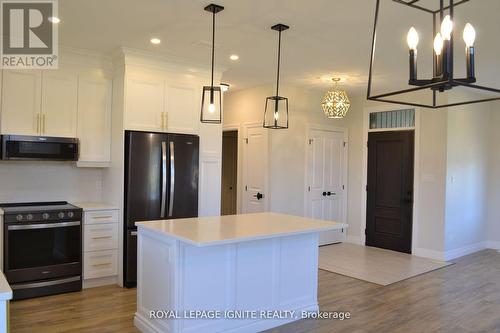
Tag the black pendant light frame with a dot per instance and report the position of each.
(214, 9)
(438, 83)
(277, 98)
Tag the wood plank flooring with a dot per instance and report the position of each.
(460, 298)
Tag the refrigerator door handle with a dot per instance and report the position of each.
(172, 179)
(163, 178)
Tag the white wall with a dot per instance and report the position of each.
(288, 147)
(22, 181)
(467, 176)
(493, 227)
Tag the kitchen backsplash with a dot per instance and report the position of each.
(48, 181)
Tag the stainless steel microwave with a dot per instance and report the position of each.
(20, 147)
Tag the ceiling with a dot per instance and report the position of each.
(326, 37)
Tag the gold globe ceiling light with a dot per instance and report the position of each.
(336, 103)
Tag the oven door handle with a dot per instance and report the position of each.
(43, 225)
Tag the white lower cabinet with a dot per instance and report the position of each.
(99, 264)
(100, 243)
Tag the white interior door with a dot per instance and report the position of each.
(255, 170)
(326, 190)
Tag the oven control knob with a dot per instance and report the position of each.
(19, 217)
(29, 217)
(61, 215)
(45, 216)
(70, 214)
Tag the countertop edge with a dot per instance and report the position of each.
(5, 290)
(141, 225)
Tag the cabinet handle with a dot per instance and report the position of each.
(102, 237)
(43, 123)
(100, 265)
(103, 217)
(162, 120)
(165, 121)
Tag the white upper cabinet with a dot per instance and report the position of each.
(145, 103)
(183, 107)
(94, 120)
(59, 103)
(21, 102)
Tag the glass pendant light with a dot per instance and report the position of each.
(336, 103)
(276, 112)
(211, 104)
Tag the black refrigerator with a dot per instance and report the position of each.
(161, 182)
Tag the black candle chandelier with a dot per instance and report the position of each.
(211, 104)
(443, 62)
(276, 112)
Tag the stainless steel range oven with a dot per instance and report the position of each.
(42, 250)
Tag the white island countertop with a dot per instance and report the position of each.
(217, 230)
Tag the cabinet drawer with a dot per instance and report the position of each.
(100, 264)
(102, 236)
(101, 216)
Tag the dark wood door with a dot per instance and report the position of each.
(390, 190)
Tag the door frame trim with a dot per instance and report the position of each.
(239, 178)
(345, 176)
(416, 169)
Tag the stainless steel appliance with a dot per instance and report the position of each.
(42, 248)
(20, 147)
(161, 182)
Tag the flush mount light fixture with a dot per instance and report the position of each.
(335, 103)
(444, 78)
(276, 112)
(224, 87)
(54, 19)
(211, 105)
(155, 41)
(234, 57)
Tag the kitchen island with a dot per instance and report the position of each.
(238, 273)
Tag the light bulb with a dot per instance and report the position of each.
(412, 38)
(211, 108)
(446, 28)
(276, 116)
(469, 35)
(438, 44)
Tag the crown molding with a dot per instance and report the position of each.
(134, 57)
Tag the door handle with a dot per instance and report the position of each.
(329, 193)
(259, 196)
(324, 194)
(163, 178)
(172, 180)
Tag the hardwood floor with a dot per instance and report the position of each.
(460, 298)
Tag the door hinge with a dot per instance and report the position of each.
(366, 233)
(343, 187)
(246, 140)
(309, 188)
(345, 143)
(311, 141)
(246, 188)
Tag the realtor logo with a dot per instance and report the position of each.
(29, 34)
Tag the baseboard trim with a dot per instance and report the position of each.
(465, 250)
(429, 254)
(493, 245)
(354, 240)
